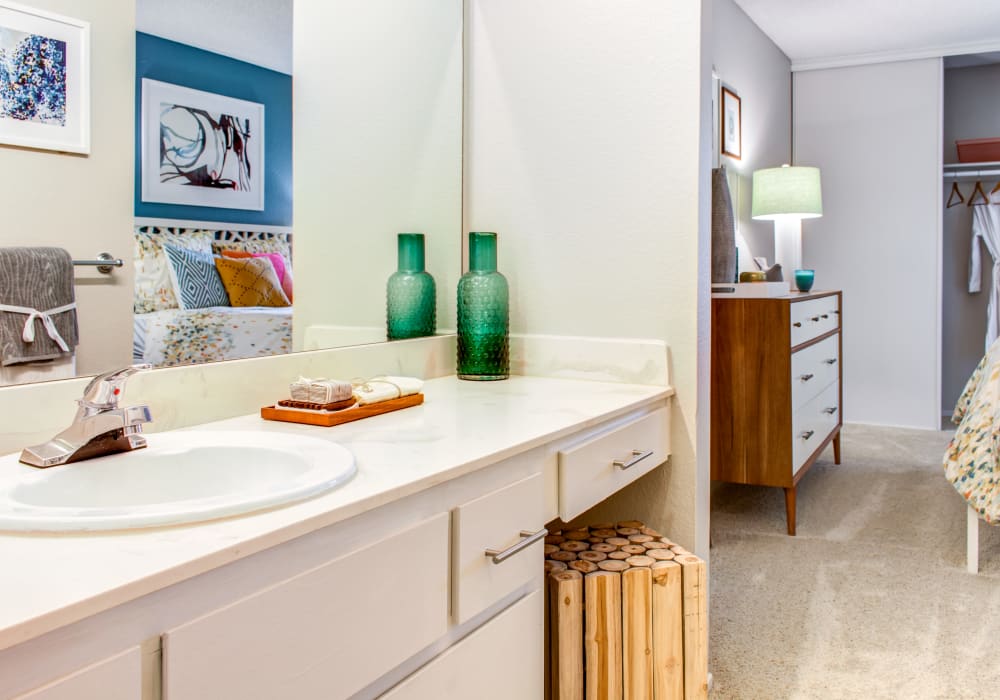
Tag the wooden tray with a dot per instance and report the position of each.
(347, 415)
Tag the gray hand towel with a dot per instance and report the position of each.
(38, 279)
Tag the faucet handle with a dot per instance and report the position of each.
(104, 389)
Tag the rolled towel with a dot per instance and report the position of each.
(321, 391)
(385, 388)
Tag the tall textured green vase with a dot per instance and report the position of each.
(483, 314)
(410, 293)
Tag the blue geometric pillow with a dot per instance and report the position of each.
(196, 281)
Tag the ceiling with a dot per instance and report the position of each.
(825, 33)
(255, 31)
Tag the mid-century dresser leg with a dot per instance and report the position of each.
(790, 509)
(836, 448)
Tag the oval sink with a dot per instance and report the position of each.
(181, 477)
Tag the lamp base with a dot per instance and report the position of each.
(788, 247)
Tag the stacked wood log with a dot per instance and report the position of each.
(627, 615)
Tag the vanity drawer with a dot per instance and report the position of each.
(591, 471)
(117, 678)
(813, 369)
(495, 522)
(813, 423)
(502, 660)
(813, 317)
(324, 634)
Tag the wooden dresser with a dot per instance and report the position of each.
(776, 388)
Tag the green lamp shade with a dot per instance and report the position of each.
(792, 191)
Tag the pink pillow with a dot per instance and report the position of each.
(277, 261)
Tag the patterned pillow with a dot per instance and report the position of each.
(251, 282)
(197, 284)
(154, 289)
(272, 244)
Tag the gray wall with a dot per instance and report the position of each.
(749, 63)
(971, 110)
(875, 132)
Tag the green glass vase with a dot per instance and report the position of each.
(483, 314)
(410, 293)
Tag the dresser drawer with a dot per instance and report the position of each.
(813, 317)
(813, 423)
(593, 470)
(324, 634)
(813, 369)
(495, 522)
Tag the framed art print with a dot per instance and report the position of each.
(731, 128)
(200, 148)
(44, 80)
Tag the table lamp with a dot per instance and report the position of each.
(786, 195)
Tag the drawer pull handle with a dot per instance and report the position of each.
(797, 324)
(830, 411)
(831, 361)
(815, 319)
(500, 556)
(637, 456)
(806, 377)
(807, 434)
(825, 316)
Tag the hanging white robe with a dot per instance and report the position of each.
(986, 225)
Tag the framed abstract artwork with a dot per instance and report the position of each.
(44, 80)
(200, 148)
(732, 132)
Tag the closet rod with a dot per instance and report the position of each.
(972, 174)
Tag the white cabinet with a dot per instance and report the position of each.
(496, 522)
(502, 660)
(324, 634)
(117, 678)
(591, 471)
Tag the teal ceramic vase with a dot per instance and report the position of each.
(483, 314)
(804, 279)
(410, 293)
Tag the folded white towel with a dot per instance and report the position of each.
(385, 388)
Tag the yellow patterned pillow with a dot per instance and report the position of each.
(251, 282)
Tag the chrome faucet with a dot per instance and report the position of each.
(100, 427)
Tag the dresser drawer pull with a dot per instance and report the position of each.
(831, 361)
(797, 324)
(807, 434)
(814, 319)
(637, 456)
(830, 411)
(499, 556)
(806, 377)
(825, 316)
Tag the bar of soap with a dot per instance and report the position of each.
(320, 390)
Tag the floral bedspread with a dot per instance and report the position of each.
(972, 460)
(178, 337)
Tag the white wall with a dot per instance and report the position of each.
(84, 203)
(583, 152)
(875, 133)
(750, 64)
(377, 112)
(971, 110)
(254, 31)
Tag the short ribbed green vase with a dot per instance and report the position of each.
(410, 293)
(483, 314)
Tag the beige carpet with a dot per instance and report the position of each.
(871, 599)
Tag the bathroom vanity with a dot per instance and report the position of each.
(381, 588)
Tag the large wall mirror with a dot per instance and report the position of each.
(252, 164)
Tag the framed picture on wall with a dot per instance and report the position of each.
(732, 133)
(44, 80)
(200, 148)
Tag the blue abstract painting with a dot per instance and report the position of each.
(32, 78)
(203, 149)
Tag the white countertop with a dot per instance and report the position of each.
(52, 581)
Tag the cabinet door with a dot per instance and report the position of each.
(324, 634)
(502, 660)
(117, 678)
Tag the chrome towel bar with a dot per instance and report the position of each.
(104, 263)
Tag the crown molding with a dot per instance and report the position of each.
(892, 56)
